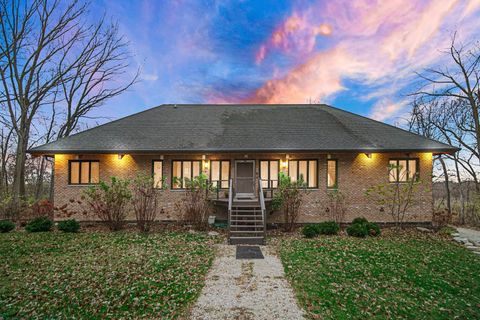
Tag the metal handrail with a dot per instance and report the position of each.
(262, 206)
(230, 201)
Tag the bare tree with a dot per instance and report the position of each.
(459, 81)
(47, 47)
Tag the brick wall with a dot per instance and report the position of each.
(356, 173)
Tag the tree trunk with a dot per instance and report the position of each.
(461, 218)
(18, 186)
(447, 185)
(41, 175)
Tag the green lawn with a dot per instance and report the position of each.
(101, 275)
(396, 276)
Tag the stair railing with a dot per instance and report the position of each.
(262, 206)
(230, 202)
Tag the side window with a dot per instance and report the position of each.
(83, 172)
(220, 173)
(332, 174)
(158, 173)
(183, 170)
(402, 170)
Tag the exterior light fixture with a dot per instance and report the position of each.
(204, 157)
(329, 156)
(205, 164)
(120, 156)
(287, 156)
(369, 155)
(284, 164)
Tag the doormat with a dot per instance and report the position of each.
(249, 252)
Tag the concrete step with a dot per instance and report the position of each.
(247, 226)
(235, 221)
(246, 216)
(246, 232)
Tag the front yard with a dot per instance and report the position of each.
(395, 276)
(101, 275)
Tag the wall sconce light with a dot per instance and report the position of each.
(329, 156)
(287, 156)
(161, 157)
(205, 164)
(120, 156)
(284, 164)
(369, 155)
(204, 157)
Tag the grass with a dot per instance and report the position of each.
(394, 276)
(101, 275)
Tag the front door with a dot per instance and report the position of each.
(245, 178)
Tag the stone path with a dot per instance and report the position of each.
(469, 238)
(246, 289)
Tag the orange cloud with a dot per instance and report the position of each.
(379, 44)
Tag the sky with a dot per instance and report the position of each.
(357, 55)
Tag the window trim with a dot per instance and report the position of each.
(269, 177)
(181, 167)
(417, 169)
(335, 187)
(308, 171)
(220, 173)
(153, 171)
(80, 161)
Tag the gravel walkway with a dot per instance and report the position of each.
(246, 289)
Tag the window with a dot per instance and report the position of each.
(305, 169)
(220, 173)
(269, 173)
(402, 170)
(183, 170)
(332, 174)
(83, 171)
(157, 170)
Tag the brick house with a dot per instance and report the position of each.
(242, 149)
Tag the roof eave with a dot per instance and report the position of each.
(448, 150)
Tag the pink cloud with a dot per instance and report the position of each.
(379, 43)
(297, 34)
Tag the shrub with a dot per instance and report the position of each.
(359, 230)
(6, 226)
(145, 201)
(195, 205)
(328, 228)
(336, 205)
(71, 225)
(41, 224)
(109, 201)
(359, 220)
(289, 197)
(310, 231)
(373, 229)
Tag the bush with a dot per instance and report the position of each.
(359, 220)
(310, 231)
(328, 228)
(109, 202)
(41, 224)
(71, 225)
(373, 229)
(359, 230)
(6, 226)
